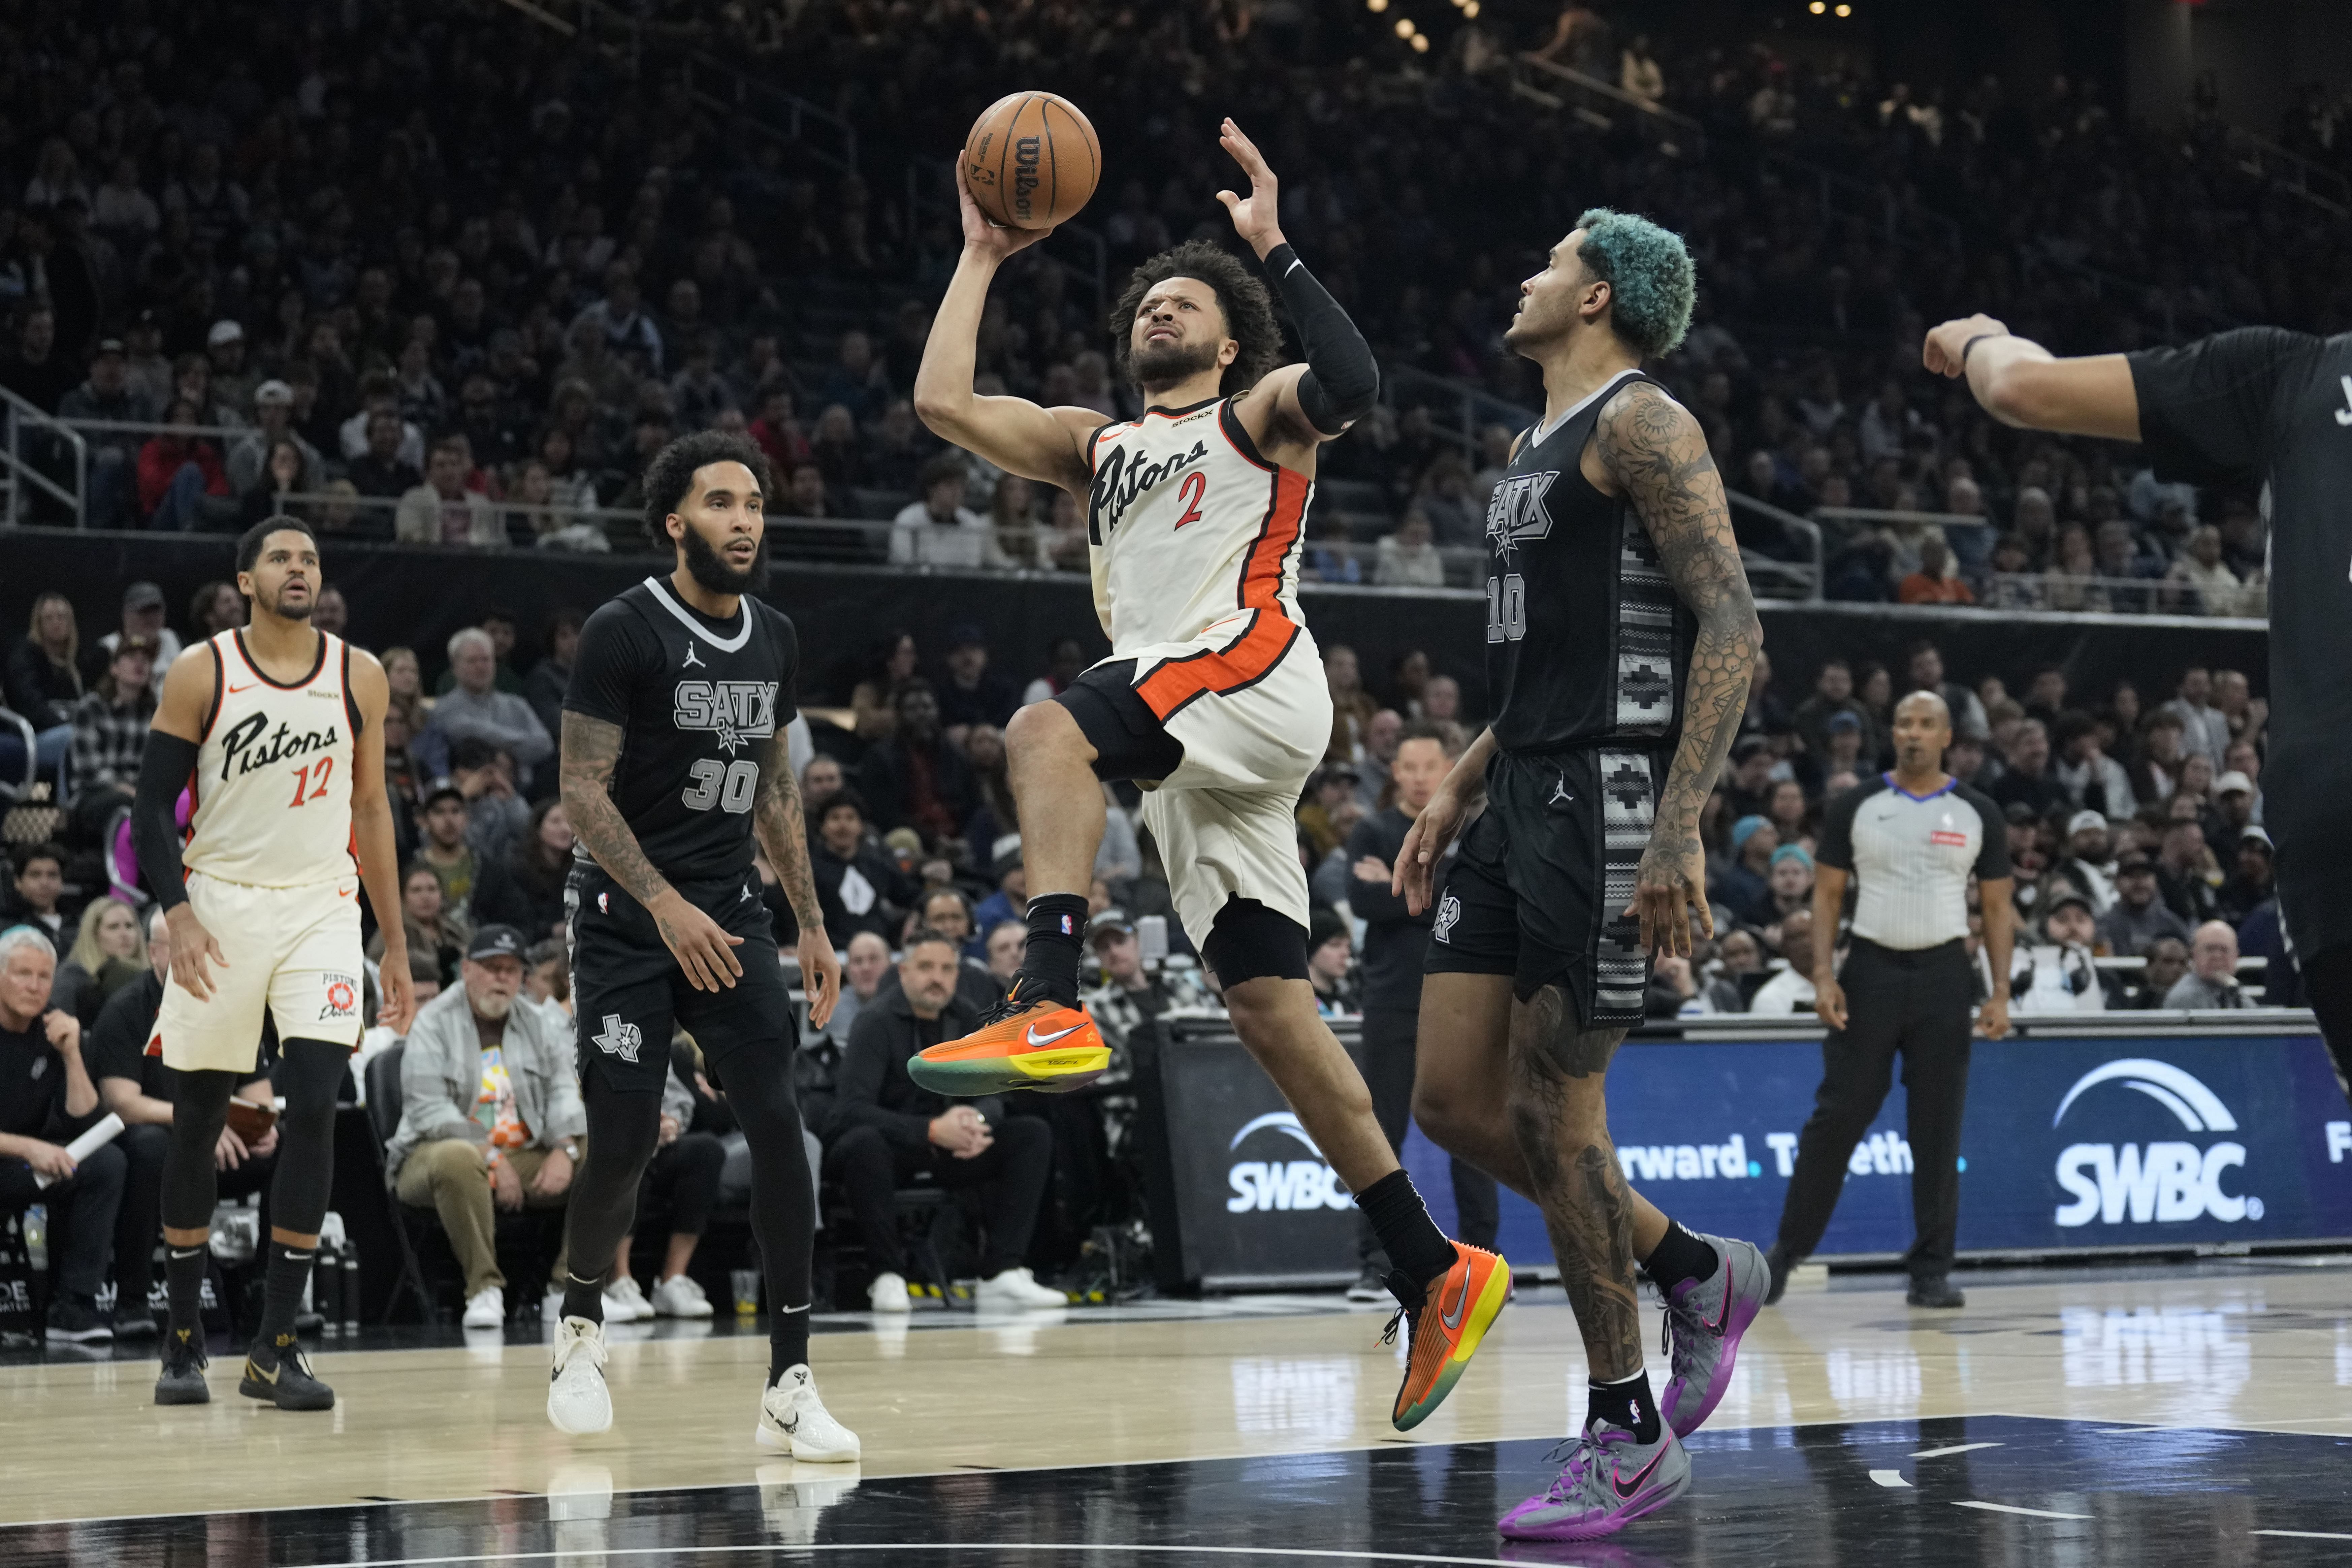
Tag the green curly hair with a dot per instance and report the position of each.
(1651, 282)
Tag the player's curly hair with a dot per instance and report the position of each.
(669, 478)
(1651, 282)
(1242, 295)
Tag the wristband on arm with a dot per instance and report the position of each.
(1341, 381)
(164, 768)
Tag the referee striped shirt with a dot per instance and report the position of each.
(1911, 857)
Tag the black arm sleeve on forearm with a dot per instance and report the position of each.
(163, 773)
(1342, 380)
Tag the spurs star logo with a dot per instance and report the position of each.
(619, 1039)
(1449, 910)
(1517, 515)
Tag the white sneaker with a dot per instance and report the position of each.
(624, 1303)
(1017, 1288)
(551, 1307)
(577, 1400)
(486, 1309)
(680, 1298)
(888, 1294)
(793, 1420)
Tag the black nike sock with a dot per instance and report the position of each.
(1680, 1255)
(584, 1297)
(1625, 1404)
(1411, 1239)
(788, 1337)
(281, 1291)
(1057, 932)
(184, 1277)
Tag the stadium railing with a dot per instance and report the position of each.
(1598, 103)
(29, 426)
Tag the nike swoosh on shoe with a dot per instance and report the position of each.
(1035, 1039)
(1625, 1491)
(1453, 1320)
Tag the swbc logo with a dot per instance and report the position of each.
(2164, 1182)
(1289, 1184)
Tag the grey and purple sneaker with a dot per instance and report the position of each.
(1704, 1318)
(1610, 1479)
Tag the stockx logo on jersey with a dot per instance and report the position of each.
(1516, 514)
(1122, 477)
(735, 710)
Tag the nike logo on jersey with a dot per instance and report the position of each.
(1034, 1038)
(1516, 514)
(2344, 415)
(1122, 479)
(692, 662)
(246, 687)
(737, 711)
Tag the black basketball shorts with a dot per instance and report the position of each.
(1540, 888)
(628, 993)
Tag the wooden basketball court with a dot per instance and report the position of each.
(2152, 1413)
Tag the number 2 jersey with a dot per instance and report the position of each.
(697, 702)
(1586, 640)
(1190, 529)
(271, 801)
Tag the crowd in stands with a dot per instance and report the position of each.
(397, 264)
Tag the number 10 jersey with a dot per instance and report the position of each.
(697, 702)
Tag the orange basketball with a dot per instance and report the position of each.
(1032, 160)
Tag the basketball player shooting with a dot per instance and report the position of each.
(1214, 699)
(274, 733)
(675, 757)
(1619, 641)
(2260, 405)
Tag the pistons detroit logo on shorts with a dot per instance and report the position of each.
(342, 1000)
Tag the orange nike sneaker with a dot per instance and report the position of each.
(1037, 1044)
(1453, 1317)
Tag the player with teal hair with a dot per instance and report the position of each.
(1620, 638)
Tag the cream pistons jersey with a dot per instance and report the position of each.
(271, 801)
(1190, 528)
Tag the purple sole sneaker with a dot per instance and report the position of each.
(1609, 1481)
(1704, 1320)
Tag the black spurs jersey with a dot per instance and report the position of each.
(698, 701)
(1586, 641)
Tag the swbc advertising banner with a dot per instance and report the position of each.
(2084, 1143)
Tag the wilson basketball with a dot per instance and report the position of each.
(1032, 160)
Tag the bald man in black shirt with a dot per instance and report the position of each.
(2260, 405)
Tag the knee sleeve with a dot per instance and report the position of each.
(191, 1182)
(1250, 940)
(308, 1074)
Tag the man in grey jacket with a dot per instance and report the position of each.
(475, 708)
(490, 1115)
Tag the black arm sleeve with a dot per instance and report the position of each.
(163, 773)
(1342, 380)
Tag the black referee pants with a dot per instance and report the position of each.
(1915, 1003)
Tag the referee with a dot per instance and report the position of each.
(1911, 839)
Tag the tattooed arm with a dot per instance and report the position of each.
(784, 833)
(1656, 456)
(591, 751)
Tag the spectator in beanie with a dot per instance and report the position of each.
(2138, 918)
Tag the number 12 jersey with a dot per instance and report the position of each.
(697, 702)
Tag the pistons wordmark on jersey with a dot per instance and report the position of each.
(697, 701)
(1586, 639)
(1194, 537)
(270, 799)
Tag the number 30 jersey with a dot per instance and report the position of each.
(1188, 527)
(271, 801)
(697, 702)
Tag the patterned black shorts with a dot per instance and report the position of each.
(1545, 875)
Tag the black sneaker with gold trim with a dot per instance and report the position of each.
(183, 1380)
(275, 1370)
